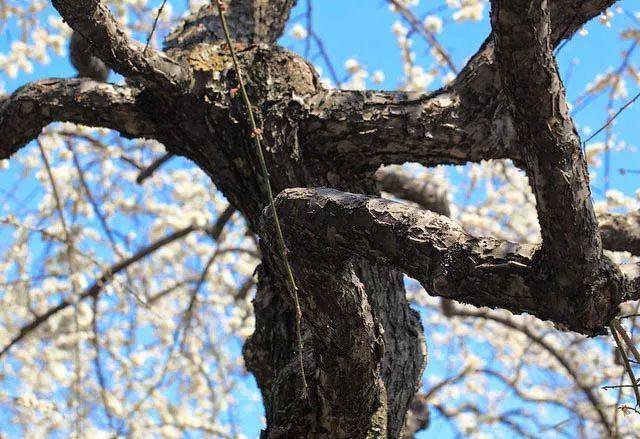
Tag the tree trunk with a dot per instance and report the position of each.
(364, 349)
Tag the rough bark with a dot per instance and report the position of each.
(437, 252)
(580, 279)
(29, 109)
(466, 121)
(364, 349)
(251, 22)
(93, 21)
(619, 232)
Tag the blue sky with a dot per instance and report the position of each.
(362, 30)
(352, 29)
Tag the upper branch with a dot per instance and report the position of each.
(553, 155)
(568, 16)
(360, 131)
(467, 121)
(31, 108)
(437, 252)
(250, 21)
(93, 21)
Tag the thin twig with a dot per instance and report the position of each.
(155, 24)
(627, 339)
(79, 403)
(555, 353)
(612, 118)
(92, 201)
(255, 132)
(625, 360)
(95, 289)
(153, 167)
(429, 36)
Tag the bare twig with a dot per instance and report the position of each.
(155, 24)
(153, 167)
(612, 118)
(95, 289)
(79, 404)
(625, 360)
(429, 36)
(627, 339)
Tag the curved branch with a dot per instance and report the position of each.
(29, 109)
(556, 166)
(467, 121)
(571, 259)
(93, 21)
(438, 253)
(568, 16)
(423, 192)
(621, 232)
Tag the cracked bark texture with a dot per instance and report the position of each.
(364, 346)
(581, 281)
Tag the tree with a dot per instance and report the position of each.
(363, 345)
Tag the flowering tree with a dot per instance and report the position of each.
(135, 296)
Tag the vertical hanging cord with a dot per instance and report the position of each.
(256, 134)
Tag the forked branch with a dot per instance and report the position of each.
(93, 21)
(438, 253)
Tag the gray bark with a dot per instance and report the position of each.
(621, 232)
(364, 347)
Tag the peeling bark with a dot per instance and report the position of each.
(31, 108)
(571, 259)
(445, 259)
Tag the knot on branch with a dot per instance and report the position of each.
(584, 300)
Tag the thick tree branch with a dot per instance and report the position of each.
(250, 21)
(621, 232)
(361, 130)
(556, 166)
(438, 253)
(467, 121)
(93, 21)
(29, 109)
(424, 193)
(571, 261)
